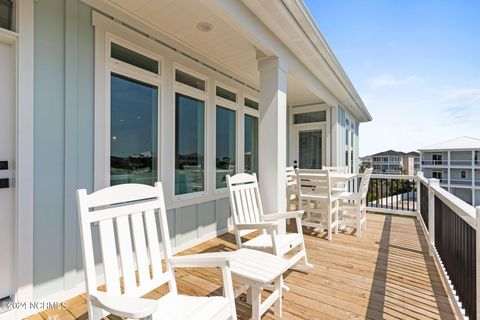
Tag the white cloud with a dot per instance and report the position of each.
(388, 80)
(462, 96)
(392, 43)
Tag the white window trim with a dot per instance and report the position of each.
(199, 95)
(326, 128)
(134, 47)
(227, 104)
(248, 110)
(182, 86)
(109, 65)
(229, 88)
(243, 112)
(170, 61)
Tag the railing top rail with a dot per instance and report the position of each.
(394, 176)
(460, 207)
(422, 179)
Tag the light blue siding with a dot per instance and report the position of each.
(64, 146)
(49, 116)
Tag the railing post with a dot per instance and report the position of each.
(418, 182)
(477, 258)
(431, 212)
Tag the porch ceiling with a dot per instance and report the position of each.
(179, 19)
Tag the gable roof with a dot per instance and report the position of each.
(395, 153)
(460, 143)
(389, 153)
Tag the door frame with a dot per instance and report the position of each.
(11, 42)
(325, 126)
(22, 254)
(294, 148)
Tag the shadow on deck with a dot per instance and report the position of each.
(385, 274)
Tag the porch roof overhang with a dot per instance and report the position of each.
(293, 24)
(241, 31)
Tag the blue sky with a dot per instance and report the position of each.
(415, 63)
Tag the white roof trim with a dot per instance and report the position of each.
(459, 143)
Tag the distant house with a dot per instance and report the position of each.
(456, 163)
(394, 162)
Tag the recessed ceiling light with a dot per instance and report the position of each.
(204, 26)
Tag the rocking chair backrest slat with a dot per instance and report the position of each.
(109, 255)
(153, 245)
(364, 184)
(129, 238)
(140, 247)
(126, 253)
(244, 198)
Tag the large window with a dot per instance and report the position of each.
(6, 14)
(251, 144)
(189, 144)
(225, 145)
(134, 132)
(437, 175)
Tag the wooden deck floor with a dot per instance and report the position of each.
(385, 274)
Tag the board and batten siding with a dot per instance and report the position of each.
(64, 150)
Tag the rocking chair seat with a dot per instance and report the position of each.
(285, 242)
(174, 306)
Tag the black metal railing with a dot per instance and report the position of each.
(424, 203)
(392, 194)
(455, 241)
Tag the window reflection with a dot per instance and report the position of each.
(189, 144)
(251, 144)
(133, 122)
(225, 145)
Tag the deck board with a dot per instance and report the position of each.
(385, 274)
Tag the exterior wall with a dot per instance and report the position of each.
(64, 150)
(428, 173)
(460, 158)
(353, 126)
(428, 155)
(462, 193)
(456, 179)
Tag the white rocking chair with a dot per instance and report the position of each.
(292, 187)
(248, 217)
(354, 205)
(127, 220)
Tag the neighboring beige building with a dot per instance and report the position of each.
(394, 162)
(456, 163)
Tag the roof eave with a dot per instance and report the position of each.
(330, 56)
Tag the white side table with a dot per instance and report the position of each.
(257, 270)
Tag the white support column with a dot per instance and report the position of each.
(477, 254)
(431, 212)
(449, 172)
(272, 135)
(419, 196)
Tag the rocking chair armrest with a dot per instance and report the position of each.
(123, 306)
(284, 215)
(267, 225)
(203, 260)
